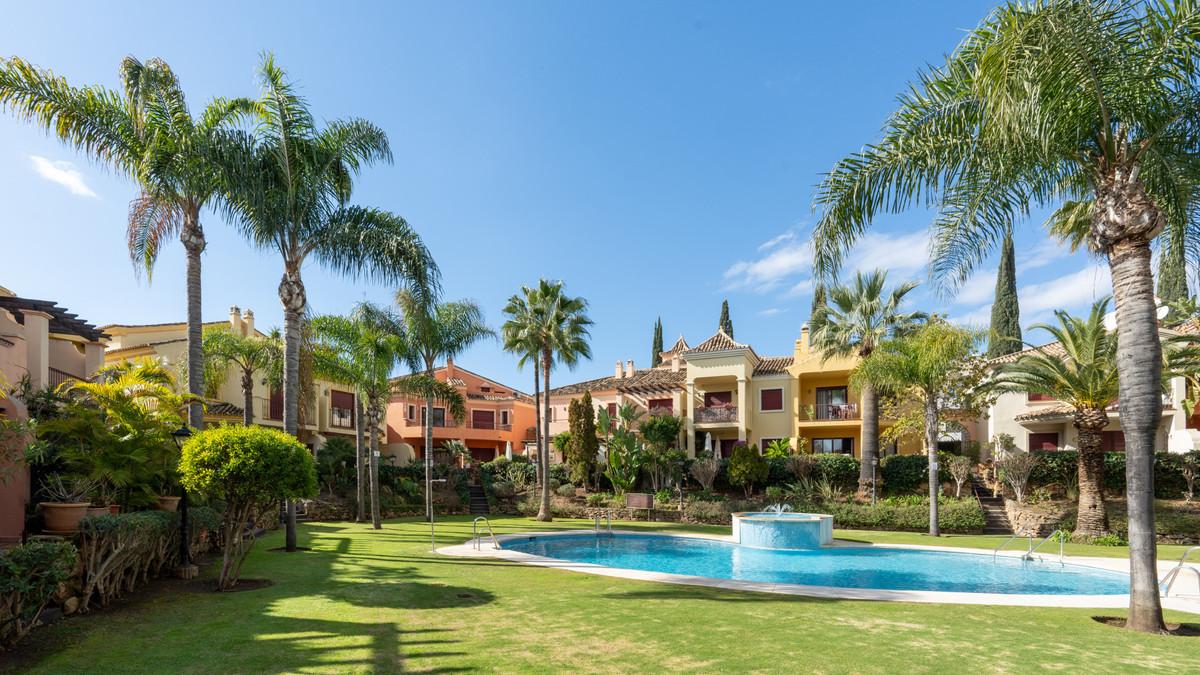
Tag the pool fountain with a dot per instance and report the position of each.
(777, 527)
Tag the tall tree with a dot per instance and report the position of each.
(925, 366)
(656, 345)
(436, 331)
(1085, 104)
(249, 355)
(288, 186)
(584, 446)
(364, 349)
(817, 310)
(1005, 334)
(725, 323)
(855, 319)
(556, 325)
(149, 134)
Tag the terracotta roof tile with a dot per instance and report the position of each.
(719, 342)
(1052, 349)
(222, 409)
(644, 380)
(774, 365)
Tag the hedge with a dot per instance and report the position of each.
(1054, 468)
(910, 514)
(30, 574)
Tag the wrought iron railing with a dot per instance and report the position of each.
(716, 414)
(837, 411)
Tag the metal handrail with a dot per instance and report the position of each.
(1169, 579)
(996, 552)
(476, 535)
(607, 520)
(1062, 542)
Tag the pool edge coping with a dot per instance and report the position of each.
(467, 550)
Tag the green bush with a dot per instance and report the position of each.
(503, 489)
(249, 468)
(774, 494)
(840, 470)
(747, 468)
(706, 512)
(903, 474)
(1054, 468)
(909, 514)
(565, 490)
(664, 497)
(29, 575)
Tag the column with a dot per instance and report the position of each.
(743, 409)
(689, 421)
(37, 348)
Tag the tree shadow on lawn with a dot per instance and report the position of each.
(687, 592)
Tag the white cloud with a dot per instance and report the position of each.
(1041, 254)
(771, 243)
(802, 288)
(979, 317)
(786, 258)
(63, 173)
(1070, 291)
(898, 253)
(981, 287)
(771, 311)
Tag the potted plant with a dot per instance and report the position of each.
(67, 502)
(166, 503)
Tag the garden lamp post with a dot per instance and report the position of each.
(186, 569)
(874, 471)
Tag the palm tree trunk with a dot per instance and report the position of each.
(935, 486)
(870, 438)
(248, 397)
(1139, 366)
(537, 412)
(291, 293)
(360, 511)
(376, 522)
(1092, 520)
(544, 510)
(192, 236)
(429, 446)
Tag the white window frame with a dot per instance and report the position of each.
(782, 400)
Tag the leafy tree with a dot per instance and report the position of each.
(662, 458)
(747, 467)
(584, 448)
(780, 448)
(149, 134)
(336, 461)
(546, 324)
(927, 367)
(1084, 376)
(725, 323)
(854, 320)
(656, 344)
(1088, 106)
(436, 331)
(1005, 335)
(248, 468)
(625, 451)
(249, 355)
(287, 187)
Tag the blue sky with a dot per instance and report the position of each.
(657, 157)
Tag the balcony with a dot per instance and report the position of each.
(716, 414)
(835, 411)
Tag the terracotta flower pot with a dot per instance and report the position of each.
(97, 511)
(114, 509)
(168, 503)
(61, 518)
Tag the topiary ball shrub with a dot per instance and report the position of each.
(248, 468)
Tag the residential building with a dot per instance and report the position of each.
(50, 346)
(327, 411)
(499, 419)
(1037, 422)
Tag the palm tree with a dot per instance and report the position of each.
(1081, 371)
(520, 337)
(288, 184)
(924, 365)
(149, 134)
(852, 321)
(1087, 104)
(436, 331)
(557, 325)
(364, 349)
(248, 354)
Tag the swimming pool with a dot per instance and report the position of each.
(874, 567)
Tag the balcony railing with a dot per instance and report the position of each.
(708, 414)
(837, 411)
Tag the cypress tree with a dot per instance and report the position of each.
(656, 348)
(1005, 335)
(1172, 272)
(725, 323)
(818, 307)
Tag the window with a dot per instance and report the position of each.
(504, 418)
(483, 419)
(412, 412)
(1035, 396)
(770, 400)
(833, 446)
(485, 389)
(341, 409)
(439, 416)
(1043, 441)
(1113, 441)
(275, 405)
(832, 403)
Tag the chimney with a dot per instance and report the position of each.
(629, 368)
(449, 368)
(235, 320)
(618, 373)
(248, 322)
(804, 339)
(675, 362)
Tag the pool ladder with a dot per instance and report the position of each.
(477, 534)
(607, 521)
(1062, 539)
(1173, 575)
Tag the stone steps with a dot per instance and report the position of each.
(995, 517)
(479, 502)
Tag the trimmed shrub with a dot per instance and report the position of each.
(565, 490)
(840, 470)
(747, 468)
(706, 512)
(29, 576)
(503, 489)
(1054, 468)
(598, 499)
(909, 514)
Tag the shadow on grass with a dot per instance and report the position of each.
(683, 592)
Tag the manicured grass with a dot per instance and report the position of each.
(367, 601)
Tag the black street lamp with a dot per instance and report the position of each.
(186, 569)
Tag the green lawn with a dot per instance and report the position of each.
(367, 601)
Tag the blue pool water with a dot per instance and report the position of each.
(874, 567)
